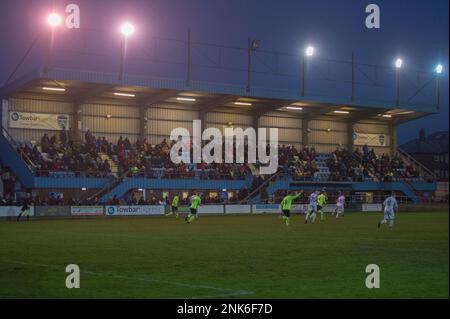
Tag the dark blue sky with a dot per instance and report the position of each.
(416, 30)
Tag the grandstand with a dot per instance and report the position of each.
(104, 193)
(112, 140)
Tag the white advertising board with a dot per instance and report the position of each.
(372, 207)
(238, 209)
(86, 210)
(266, 208)
(370, 139)
(39, 121)
(13, 211)
(146, 210)
(210, 209)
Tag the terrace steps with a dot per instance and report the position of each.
(112, 164)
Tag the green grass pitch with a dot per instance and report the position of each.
(226, 256)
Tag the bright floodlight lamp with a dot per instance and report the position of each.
(127, 29)
(439, 68)
(54, 19)
(255, 44)
(309, 51)
(398, 63)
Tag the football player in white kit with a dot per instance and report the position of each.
(312, 208)
(390, 206)
(340, 205)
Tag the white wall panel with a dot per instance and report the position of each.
(237, 119)
(289, 136)
(39, 106)
(371, 128)
(324, 125)
(272, 121)
(172, 114)
(163, 128)
(113, 110)
(331, 138)
(99, 125)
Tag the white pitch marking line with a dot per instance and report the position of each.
(231, 292)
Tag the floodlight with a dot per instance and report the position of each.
(309, 51)
(54, 19)
(127, 29)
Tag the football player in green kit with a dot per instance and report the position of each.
(286, 205)
(174, 208)
(321, 201)
(195, 201)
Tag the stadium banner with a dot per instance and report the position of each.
(266, 208)
(210, 209)
(183, 209)
(38, 121)
(238, 209)
(370, 139)
(146, 210)
(52, 211)
(299, 208)
(372, 207)
(328, 208)
(86, 210)
(13, 211)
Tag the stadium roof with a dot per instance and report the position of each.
(78, 86)
(436, 143)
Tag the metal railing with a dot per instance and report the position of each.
(17, 148)
(63, 173)
(160, 173)
(107, 188)
(416, 164)
(264, 184)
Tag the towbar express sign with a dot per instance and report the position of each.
(38, 121)
(370, 139)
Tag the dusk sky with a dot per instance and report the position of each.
(416, 30)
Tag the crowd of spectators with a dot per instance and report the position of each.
(300, 165)
(367, 165)
(54, 154)
(148, 160)
(141, 158)
(58, 153)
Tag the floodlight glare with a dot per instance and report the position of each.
(48, 88)
(124, 94)
(295, 108)
(341, 112)
(189, 99)
(398, 63)
(54, 19)
(439, 68)
(127, 29)
(309, 51)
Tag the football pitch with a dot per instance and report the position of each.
(235, 256)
